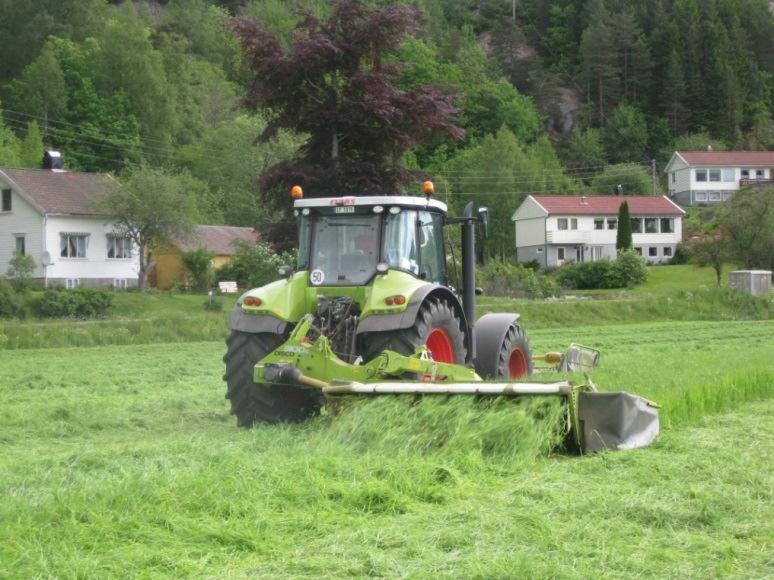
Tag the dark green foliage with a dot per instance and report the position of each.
(198, 268)
(80, 302)
(253, 266)
(10, 303)
(623, 237)
(502, 278)
(20, 271)
(634, 179)
(624, 272)
(749, 220)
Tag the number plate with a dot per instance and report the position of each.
(344, 209)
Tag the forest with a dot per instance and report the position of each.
(554, 96)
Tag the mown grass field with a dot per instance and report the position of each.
(122, 460)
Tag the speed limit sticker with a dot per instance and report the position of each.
(317, 277)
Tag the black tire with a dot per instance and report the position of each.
(435, 313)
(514, 349)
(260, 403)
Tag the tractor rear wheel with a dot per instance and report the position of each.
(255, 403)
(437, 326)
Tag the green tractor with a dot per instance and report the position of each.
(369, 308)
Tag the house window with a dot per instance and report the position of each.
(6, 204)
(574, 224)
(745, 174)
(119, 248)
(72, 245)
(651, 226)
(729, 174)
(701, 196)
(759, 174)
(715, 196)
(21, 245)
(561, 223)
(636, 225)
(119, 284)
(560, 253)
(667, 225)
(612, 223)
(674, 177)
(599, 223)
(667, 252)
(596, 253)
(71, 283)
(638, 250)
(653, 252)
(714, 174)
(701, 175)
(540, 250)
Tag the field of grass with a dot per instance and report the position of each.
(123, 461)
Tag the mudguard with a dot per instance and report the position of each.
(405, 319)
(255, 323)
(490, 331)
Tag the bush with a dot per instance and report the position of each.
(499, 278)
(20, 270)
(682, 255)
(10, 304)
(198, 267)
(77, 303)
(253, 265)
(627, 270)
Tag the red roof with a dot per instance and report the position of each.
(220, 240)
(66, 192)
(607, 204)
(726, 158)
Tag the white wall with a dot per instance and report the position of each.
(96, 264)
(715, 185)
(530, 232)
(682, 180)
(22, 219)
(586, 234)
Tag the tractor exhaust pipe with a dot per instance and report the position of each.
(469, 274)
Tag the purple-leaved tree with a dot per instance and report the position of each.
(334, 81)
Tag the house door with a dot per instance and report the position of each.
(578, 253)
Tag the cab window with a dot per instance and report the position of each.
(432, 260)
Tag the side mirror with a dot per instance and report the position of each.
(483, 222)
(285, 271)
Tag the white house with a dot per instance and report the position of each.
(48, 214)
(554, 229)
(707, 177)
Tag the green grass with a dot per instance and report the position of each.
(123, 461)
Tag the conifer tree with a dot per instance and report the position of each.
(623, 237)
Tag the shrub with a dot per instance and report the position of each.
(20, 270)
(682, 255)
(253, 265)
(198, 267)
(627, 270)
(80, 302)
(499, 278)
(10, 304)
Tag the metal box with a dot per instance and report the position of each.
(754, 282)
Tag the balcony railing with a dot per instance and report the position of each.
(755, 182)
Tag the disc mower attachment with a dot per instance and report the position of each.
(615, 421)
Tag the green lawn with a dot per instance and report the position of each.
(123, 461)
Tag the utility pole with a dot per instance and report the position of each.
(513, 11)
(653, 174)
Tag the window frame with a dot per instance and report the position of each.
(702, 173)
(23, 238)
(599, 222)
(85, 237)
(613, 222)
(573, 223)
(715, 172)
(563, 256)
(700, 196)
(559, 222)
(640, 225)
(729, 171)
(671, 225)
(6, 196)
(667, 251)
(745, 174)
(126, 245)
(654, 222)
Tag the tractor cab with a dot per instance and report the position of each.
(347, 241)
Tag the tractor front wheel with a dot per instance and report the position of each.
(261, 403)
(515, 355)
(437, 326)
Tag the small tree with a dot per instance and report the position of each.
(748, 217)
(20, 270)
(198, 266)
(710, 249)
(623, 237)
(150, 208)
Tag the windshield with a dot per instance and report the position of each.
(345, 250)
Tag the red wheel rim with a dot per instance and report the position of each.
(517, 364)
(440, 346)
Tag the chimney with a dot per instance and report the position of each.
(619, 190)
(709, 148)
(583, 200)
(52, 160)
